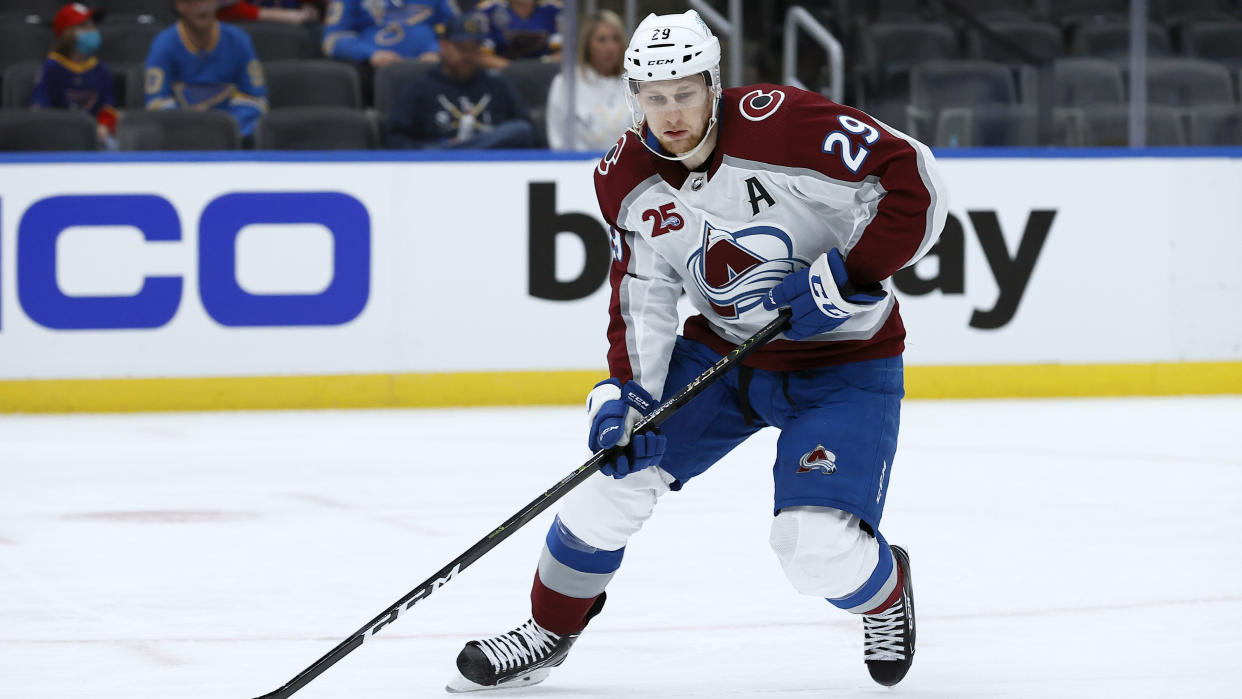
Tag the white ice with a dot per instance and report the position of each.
(1078, 548)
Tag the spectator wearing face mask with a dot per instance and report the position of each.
(72, 77)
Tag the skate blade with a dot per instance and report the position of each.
(461, 685)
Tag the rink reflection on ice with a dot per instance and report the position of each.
(1060, 549)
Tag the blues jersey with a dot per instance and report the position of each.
(67, 84)
(512, 36)
(226, 75)
(355, 29)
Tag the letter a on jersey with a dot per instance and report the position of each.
(757, 194)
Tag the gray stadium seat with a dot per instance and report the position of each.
(1109, 125)
(281, 42)
(44, 9)
(1040, 39)
(312, 83)
(1081, 81)
(1216, 125)
(138, 11)
(19, 82)
(1172, 12)
(1003, 10)
(126, 43)
(1070, 12)
(177, 130)
(937, 85)
(135, 88)
(1214, 41)
(532, 79)
(51, 130)
(1112, 40)
(316, 128)
(887, 53)
(1004, 125)
(1186, 82)
(390, 79)
(23, 42)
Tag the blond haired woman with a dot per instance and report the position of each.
(600, 112)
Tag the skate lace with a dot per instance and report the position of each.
(885, 634)
(523, 645)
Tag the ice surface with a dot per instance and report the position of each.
(1060, 549)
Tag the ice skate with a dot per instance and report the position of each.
(522, 657)
(888, 642)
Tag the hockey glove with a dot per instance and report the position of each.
(820, 296)
(613, 409)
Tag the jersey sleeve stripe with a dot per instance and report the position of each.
(937, 207)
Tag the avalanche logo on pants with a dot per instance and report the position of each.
(818, 459)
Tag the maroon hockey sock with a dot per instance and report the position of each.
(560, 614)
(896, 594)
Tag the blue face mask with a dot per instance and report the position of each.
(88, 42)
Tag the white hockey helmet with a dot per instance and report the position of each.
(672, 47)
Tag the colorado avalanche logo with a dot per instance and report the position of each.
(818, 459)
(758, 105)
(734, 271)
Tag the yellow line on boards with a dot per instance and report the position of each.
(459, 389)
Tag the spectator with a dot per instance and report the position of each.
(457, 104)
(379, 32)
(521, 29)
(72, 77)
(251, 11)
(200, 63)
(600, 109)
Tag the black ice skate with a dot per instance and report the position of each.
(519, 658)
(888, 642)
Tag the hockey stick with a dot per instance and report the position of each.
(538, 505)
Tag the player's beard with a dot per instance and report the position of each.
(683, 144)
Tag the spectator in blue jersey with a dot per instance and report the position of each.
(457, 104)
(72, 77)
(380, 32)
(521, 29)
(200, 63)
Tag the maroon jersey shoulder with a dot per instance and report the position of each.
(786, 126)
(623, 167)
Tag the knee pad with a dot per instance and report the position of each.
(604, 512)
(823, 551)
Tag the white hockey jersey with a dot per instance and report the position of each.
(793, 175)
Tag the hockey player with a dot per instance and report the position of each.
(748, 199)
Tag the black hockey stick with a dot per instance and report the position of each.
(538, 505)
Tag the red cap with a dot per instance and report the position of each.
(72, 15)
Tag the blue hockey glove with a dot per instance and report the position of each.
(820, 296)
(613, 409)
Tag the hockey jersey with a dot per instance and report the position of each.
(66, 84)
(355, 29)
(793, 175)
(226, 75)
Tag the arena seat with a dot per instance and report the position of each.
(46, 130)
(1214, 41)
(1112, 40)
(19, 82)
(1081, 81)
(1187, 82)
(532, 79)
(281, 42)
(1040, 39)
(177, 130)
(125, 42)
(1109, 125)
(392, 78)
(312, 83)
(887, 53)
(23, 42)
(937, 85)
(1004, 125)
(139, 11)
(316, 128)
(1216, 125)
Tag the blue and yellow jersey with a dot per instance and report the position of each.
(66, 84)
(511, 36)
(225, 75)
(355, 29)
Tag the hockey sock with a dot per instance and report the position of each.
(560, 614)
(879, 590)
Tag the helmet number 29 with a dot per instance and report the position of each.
(852, 159)
(658, 34)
